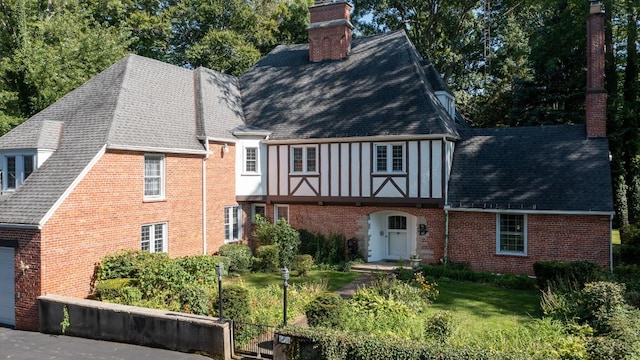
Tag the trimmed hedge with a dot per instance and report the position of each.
(460, 272)
(325, 310)
(577, 273)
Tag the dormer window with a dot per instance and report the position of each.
(16, 168)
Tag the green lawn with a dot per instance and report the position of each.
(478, 307)
(335, 279)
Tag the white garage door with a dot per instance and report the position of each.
(7, 287)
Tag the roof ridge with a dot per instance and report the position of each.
(111, 129)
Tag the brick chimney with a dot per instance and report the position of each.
(330, 30)
(596, 98)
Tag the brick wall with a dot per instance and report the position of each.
(350, 221)
(329, 42)
(472, 239)
(105, 211)
(27, 286)
(221, 185)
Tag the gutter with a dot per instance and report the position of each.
(533, 211)
(20, 226)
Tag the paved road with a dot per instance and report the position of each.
(26, 345)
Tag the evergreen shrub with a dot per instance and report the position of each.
(267, 258)
(239, 257)
(325, 310)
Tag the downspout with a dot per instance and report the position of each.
(204, 197)
(611, 243)
(445, 258)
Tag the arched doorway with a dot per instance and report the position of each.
(392, 235)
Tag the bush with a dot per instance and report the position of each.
(113, 289)
(579, 273)
(194, 299)
(303, 264)
(460, 272)
(239, 257)
(630, 244)
(162, 274)
(325, 310)
(264, 232)
(599, 303)
(235, 303)
(325, 250)
(267, 257)
(439, 326)
(122, 264)
(202, 268)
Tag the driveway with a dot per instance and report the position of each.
(26, 345)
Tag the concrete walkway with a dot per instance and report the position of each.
(348, 290)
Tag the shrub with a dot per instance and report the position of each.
(439, 326)
(235, 303)
(267, 257)
(195, 300)
(579, 273)
(325, 310)
(239, 257)
(162, 274)
(122, 264)
(113, 289)
(325, 250)
(264, 232)
(202, 268)
(288, 240)
(630, 244)
(303, 263)
(599, 303)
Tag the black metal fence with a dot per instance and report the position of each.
(253, 340)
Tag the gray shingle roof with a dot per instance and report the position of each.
(219, 103)
(541, 168)
(136, 103)
(379, 89)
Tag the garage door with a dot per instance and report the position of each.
(7, 287)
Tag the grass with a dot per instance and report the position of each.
(335, 279)
(477, 307)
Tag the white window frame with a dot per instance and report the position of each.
(152, 241)
(19, 171)
(161, 177)
(276, 212)
(305, 159)
(499, 234)
(246, 160)
(389, 160)
(254, 212)
(229, 212)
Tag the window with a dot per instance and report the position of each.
(231, 223)
(251, 159)
(153, 237)
(11, 172)
(258, 209)
(389, 158)
(304, 159)
(17, 169)
(281, 212)
(154, 176)
(512, 232)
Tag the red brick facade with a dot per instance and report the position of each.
(105, 212)
(472, 239)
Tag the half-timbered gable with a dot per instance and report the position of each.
(387, 170)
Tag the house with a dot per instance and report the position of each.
(352, 136)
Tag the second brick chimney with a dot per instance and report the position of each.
(330, 30)
(596, 99)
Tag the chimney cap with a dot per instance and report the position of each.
(595, 7)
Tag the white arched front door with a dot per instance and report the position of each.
(392, 235)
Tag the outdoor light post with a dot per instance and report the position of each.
(219, 272)
(285, 278)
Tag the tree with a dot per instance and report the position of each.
(51, 48)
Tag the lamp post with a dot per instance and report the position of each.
(285, 278)
(219, 272)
